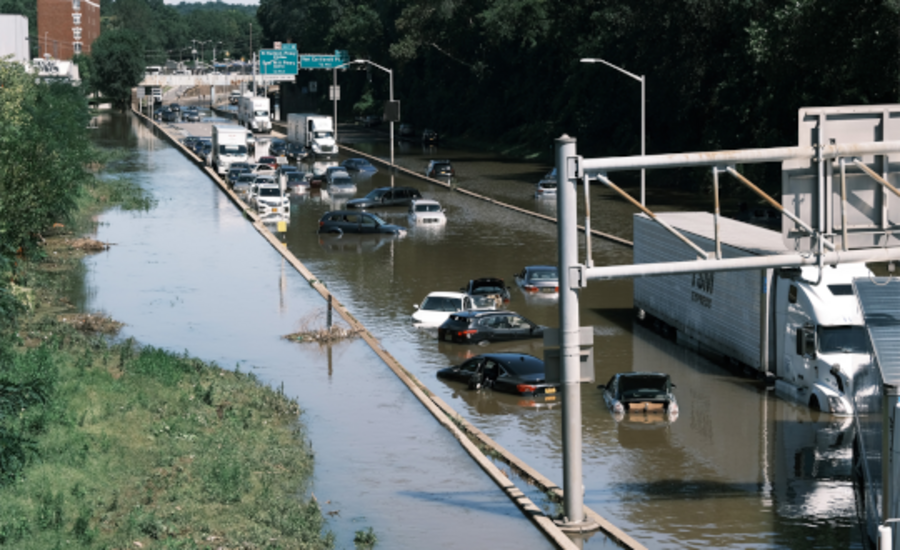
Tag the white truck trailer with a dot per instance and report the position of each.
(253, 113)
(315, 132)
(229, 144)
(801, 327)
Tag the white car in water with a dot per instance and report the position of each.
(438, 306)
(426, 212)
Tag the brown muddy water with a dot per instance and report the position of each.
(738, 469)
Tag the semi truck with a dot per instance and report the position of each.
(315, 132)
(253, 113)
(800, 328)
(229, 144)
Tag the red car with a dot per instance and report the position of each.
(271, 161)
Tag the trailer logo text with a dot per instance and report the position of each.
(704, 282)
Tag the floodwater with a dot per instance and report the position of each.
(738, 469)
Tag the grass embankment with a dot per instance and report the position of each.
(107, 444)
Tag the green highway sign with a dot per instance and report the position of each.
(324, 61)
(278, 62)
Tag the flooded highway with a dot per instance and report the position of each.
(738, 468)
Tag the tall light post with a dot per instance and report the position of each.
(643, 80)
(391, 75)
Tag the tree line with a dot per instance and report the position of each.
(720, 74)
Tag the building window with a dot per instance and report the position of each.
(76, 5)
(76, 33)
(76, 48)
(76, 18)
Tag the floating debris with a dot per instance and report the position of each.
(323, 335)
(89, 245)
(97, 323)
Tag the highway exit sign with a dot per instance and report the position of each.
(278, 62)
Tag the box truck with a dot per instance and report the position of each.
(229, 144)
(315, 132)
(253, 113)
(802, 328)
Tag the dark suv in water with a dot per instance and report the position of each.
(386, 196)
(350, 221)
(471, 327)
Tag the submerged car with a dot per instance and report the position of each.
(429, 137)
(472, 327)
(386, 196)
(359, 165)
(641, 397)
(278, 147)
(426, 212)
(438, 306)
(515, 373)
(350, 221)
(539, 279)
(440, 169)
(295, 151)
(191, 114)
(488, 292)
(545, 190)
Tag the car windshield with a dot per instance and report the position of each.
(246, 179)
(232, 150)
(442, 303)
(428, 208)
(261, 113)
(525, 366)
(845, 339)
(544, 275)
(341, 181)
(294, 176)
(643, 387)
(321, 134)
(269, 192)
(376, 194)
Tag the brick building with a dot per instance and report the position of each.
(67, 27)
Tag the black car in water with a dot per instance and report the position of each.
(278, 148)
(429, 137)
(350, 221)
(386, 196)
(440, 169)
(359, 165)
(294, 151)
(641, 396)
(515, 373)
(471, 327)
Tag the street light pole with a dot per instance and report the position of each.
(391, 75)
(643, 80)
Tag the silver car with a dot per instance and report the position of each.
(539, 279)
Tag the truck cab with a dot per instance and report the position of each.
(320, 136)
(821, 341)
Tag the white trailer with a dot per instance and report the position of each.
(876, 447)
(315, 132)
(801, 327)
(253, 113)
(229, 144)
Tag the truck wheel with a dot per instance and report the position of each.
(814, 403)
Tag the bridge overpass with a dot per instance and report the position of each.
(209, 79)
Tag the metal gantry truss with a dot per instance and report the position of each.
(830, 138)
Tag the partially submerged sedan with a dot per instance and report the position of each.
(539, 279)
(641, 397)
(472, 327)
(515, 373)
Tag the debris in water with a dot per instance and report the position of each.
(92, 322)
(89, 245)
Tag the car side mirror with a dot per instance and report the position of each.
(415, 306)
(673, 386)
(601, 386)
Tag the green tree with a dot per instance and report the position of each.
(118, 63)
(43, 153)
